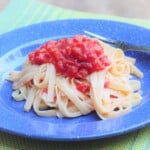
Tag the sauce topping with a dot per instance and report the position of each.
(74, 57)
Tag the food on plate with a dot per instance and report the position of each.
(74, 76)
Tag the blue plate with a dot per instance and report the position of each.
(14, 47)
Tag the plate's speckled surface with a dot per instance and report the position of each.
(14, 47)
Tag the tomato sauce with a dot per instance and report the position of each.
(83, 87)
(74, 57)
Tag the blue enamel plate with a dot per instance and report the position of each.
(14, 47)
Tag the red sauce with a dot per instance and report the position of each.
(74, 57)
(83, 87)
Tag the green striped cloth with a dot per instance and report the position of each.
(24, 12)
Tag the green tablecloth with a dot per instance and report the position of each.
(24, 12)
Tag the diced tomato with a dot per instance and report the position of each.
(45, 90)
(113, 96)
(83, 87)
(106, 84)
(55, 97)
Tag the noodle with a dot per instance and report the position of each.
(49, 93)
